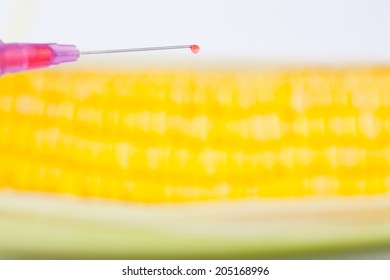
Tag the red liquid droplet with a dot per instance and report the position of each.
(195, 48)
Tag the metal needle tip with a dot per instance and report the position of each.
(140, 49)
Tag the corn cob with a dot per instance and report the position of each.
(180, 136)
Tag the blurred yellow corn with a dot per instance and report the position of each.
(180, 136)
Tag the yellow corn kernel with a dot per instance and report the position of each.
(179, 136)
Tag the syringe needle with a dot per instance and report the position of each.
(19, 57)
(194, 49)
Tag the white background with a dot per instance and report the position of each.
(278, 270)
(304, 31)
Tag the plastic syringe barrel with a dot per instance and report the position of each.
(16, 57)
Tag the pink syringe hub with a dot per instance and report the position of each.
(17, 57)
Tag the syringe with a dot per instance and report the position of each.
(18, 57)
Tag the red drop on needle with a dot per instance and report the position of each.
(195, 48)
